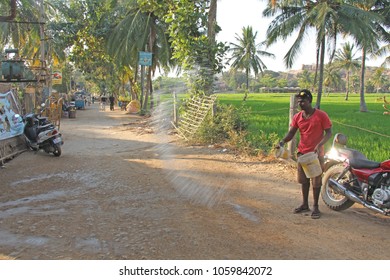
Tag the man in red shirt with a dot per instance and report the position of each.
(315, 129)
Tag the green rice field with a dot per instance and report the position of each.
(367, 132)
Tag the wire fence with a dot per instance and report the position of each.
(363, 129)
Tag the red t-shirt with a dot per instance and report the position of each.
(311, 130)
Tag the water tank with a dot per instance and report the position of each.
(12, 69)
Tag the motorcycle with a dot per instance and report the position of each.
(351, 178)
(41, 134)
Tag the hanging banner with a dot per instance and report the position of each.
(56, 77)
(10, 121)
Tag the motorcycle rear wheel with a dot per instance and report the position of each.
(333, 199)
(57, 150)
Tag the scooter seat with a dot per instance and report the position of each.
(30, 133)
(44, 127)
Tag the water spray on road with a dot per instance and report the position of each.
(190, 183)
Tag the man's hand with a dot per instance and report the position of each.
(280, 145)
(317, 149)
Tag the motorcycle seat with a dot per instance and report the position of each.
(363, 163)
(351, 153)
(358, 160)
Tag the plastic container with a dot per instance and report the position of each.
(281, 153)
(310, 164)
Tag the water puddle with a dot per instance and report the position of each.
(245, 212)
(31, 199)
(40, 210)
(92, 245)
(9, 239)
(90, 178)
(47, 203)
(15, 240)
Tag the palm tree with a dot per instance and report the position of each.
(140, 30)
(345, 59)
(21, 35)
(327, 17)
(27, 32)
(246, 54)
(382, 51)
(379, 78)
(305, 79)
(332, 79)
(383, 7)
(370, 45)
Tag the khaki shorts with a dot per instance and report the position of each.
(316, 181)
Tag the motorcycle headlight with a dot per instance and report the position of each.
(333, 154)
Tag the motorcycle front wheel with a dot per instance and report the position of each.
(332, 198)
(57, 150)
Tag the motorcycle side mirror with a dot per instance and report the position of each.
(341, 139)
(18, 118)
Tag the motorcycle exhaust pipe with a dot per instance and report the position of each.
(351, 196)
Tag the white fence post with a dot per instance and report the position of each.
(175, 120)
(293, 110)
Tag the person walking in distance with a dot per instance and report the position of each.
(103, 100)
(112, 101)
(315, 130)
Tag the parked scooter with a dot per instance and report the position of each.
(350, 178)
(42, 134)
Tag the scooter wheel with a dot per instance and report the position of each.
(57, 150)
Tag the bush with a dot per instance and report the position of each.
(263, 143)
(228, 126)
(220, 127)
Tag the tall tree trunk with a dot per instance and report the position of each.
(149, 88)
(316, 71)
(212, 21)
(363, 105)
(153, 39)
(321, 76)
(133, 84)
(347, 91)
(151, 92)
(247, 79)
(211, 24)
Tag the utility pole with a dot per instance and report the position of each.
(42, 35)
(42, 78)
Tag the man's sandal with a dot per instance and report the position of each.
(316, 214)
(301, 209)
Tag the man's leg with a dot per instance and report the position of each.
(305, 187)
(317, 182)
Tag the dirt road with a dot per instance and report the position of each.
(121, 190)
